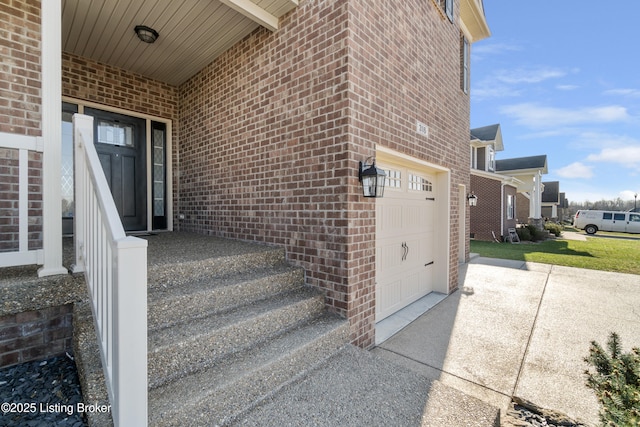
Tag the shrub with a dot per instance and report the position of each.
(536, 234)
(553, 228)
(523, 234)
(616, 382)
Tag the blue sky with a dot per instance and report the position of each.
(563, 79)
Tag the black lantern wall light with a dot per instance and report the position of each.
(473, 199)
(372, 178)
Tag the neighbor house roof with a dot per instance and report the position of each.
(488, 134)
(551, 193)
(523, 163)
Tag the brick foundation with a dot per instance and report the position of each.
(35, 335)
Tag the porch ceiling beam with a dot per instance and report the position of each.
(253, 12)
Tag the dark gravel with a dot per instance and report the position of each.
(526, 414)
(41, 394)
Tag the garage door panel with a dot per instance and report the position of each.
(389, 256)
(389, 219)
(404, 242)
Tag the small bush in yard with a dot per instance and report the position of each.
(536, 234)
(553, 228)
(616, 382)
(523, 234)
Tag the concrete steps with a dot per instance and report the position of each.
(228, 330)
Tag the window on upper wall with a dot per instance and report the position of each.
(491, 160)
(446, 6)
(511, 207)
(448, 9)
(464, 63)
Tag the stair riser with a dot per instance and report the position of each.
(167, 364)
(170, 311)
(185, 272)
(239, 397)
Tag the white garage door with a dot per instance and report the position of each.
(405, 239)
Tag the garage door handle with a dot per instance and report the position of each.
(428, 264)
(405, 250)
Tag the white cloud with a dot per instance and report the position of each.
(538, 116)
(523, 75)
(567, 87)
(628, 156)
(632, 93)
(628, 194)
(481, 50)
(511, 82)
(576, 170)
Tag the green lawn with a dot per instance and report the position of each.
(618, 255)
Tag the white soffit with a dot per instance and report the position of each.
(192, 32)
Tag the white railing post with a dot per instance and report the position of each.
(52, 151)
(115, 268)
(82, 131)
(130, 323)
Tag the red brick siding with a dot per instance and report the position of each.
(20, 68)
(510, 223)
(490, 214)
(9, 200)
(272, 132)
(35, 335)
(88, 80)
(405, 67)
(20, 113)
(485, 216)
(522, 209)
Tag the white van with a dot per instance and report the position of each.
(592, 221)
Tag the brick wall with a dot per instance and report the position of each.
(510, 223)
(522, 209)
(490, 213)
(88, 80)
(485, 216)
(20, 113)
(405, 67)
(35, 335)
(272, 132)
(20, 75)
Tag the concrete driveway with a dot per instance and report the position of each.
(521, 329)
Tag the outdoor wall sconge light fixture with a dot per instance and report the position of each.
(372, 179)
(473, 199)
(146, 34)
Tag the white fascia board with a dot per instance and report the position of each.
(254, 12)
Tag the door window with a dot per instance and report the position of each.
(110, 132)
(618, 217)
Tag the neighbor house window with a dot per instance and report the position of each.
(491, 158)
(464, 64)
(511, 207)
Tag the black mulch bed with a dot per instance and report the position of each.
(41, 394)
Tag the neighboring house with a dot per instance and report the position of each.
(563, 208)
(495, 211)
(529, 171)
(551, 202)
(249, 123)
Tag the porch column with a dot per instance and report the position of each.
(51, 45)
(535, 201)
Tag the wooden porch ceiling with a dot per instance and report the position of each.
(192, 32)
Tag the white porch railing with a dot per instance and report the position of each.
(24, 144)
(115, 268)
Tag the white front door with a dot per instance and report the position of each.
(405, 239)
